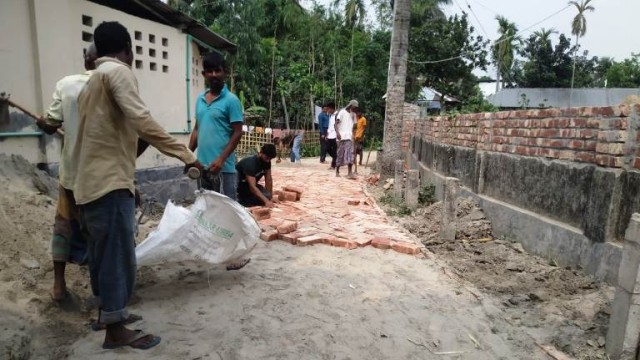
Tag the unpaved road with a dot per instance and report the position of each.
(316, 302)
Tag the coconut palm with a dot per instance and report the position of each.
(503, 49)
(579, 29)
(544, 35)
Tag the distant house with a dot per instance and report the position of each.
(43, 41)
(432, 101)
(519, 98)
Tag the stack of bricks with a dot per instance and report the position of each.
(333, 211)
(605, 136)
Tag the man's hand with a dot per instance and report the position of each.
(269, 204)
(196, 165)
(216, 165)
(338, 136)
(322, 137)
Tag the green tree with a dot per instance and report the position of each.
(579, 27)
(504, 49)
(453, 39)
(625, 74)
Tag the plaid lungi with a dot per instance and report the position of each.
(68, 244)
(345, 153)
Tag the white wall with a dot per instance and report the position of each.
(43, 48)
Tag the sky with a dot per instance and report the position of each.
(612, 29)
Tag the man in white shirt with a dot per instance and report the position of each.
(67, 244)
(344, 133)
(332, 145)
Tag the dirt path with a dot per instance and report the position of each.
(290, 302)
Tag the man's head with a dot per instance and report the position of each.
(330, 106)
(352, 105)
(90, 55)
(267, 152)
(112, 39)
(213, 70)
(358, 111)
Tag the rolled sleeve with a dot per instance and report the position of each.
(54, 112)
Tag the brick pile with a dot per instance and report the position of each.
(605, 136)
(327, 210)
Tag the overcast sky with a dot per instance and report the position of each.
(613, 29)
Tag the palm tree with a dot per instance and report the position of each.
(579, 29)
(503, 49)
(544, 35)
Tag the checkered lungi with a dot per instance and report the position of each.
(345, 153)
(67, 244)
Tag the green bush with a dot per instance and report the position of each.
(427, 195)
(310, 151)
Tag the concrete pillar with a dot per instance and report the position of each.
(624, 325)
(397, 182)
(448, 226)
(412, 189)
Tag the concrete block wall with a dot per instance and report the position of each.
(572, 172)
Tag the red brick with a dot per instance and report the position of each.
(353, 202)
(347, 244)
(636, 163)
(269, 235)
(273, 222)
(549, 133)
(290, 196)
(311, 239)
(260, 213)
(406, 248)
(287, 227)
(382, 243)
(586, 156)
(576, 144)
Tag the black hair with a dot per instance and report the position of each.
(213, 60)
(330, 104)
(111, 37)
(269, 150)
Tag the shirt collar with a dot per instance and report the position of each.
(224, 92)
(106, 59)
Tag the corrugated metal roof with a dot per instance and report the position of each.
(559, 98)
(156, 10)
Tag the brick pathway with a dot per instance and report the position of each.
(328, 210)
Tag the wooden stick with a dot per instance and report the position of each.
(26, 111)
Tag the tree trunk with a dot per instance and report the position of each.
(498, 77)
(573, 71)
(396, 80)
(273, 75)
(286, 114)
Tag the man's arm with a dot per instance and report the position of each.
(193, 140)
(251, 180)
(336, 126)
(124, 90)
(53, 120)
(217, 164)
(268, 182)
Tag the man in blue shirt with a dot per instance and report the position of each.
(323, 124)
(218, 129)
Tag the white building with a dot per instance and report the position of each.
(42, 41)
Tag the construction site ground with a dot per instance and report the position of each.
(476, 298)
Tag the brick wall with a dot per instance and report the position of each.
(604, 136)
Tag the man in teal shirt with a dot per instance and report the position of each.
(218, 129)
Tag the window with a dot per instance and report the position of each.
(165, 42)
(152, 38)
(153, 66)
(139, 50)
(87, 36)
(87, 20)
(165, 69)
(137, 35)
(152, 52)
(138, 64)
(165, 55)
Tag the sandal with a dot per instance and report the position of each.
(152, 341)
(238, 266)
